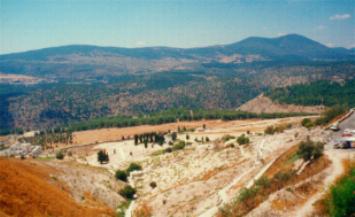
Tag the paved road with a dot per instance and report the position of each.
(348, 123)
(336, 156)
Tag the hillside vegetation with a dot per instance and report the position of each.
(316, 93)
(80, 82)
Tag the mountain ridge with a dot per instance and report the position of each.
(286, 39)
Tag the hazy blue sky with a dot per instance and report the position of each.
(31, 24)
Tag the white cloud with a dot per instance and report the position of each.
(340, 17)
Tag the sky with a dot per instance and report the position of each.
(34, 24)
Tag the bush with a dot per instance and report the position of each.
(247, 193)
(330, 114)
(128, 192)
(153, 184)
(263, 182)
(102, 157)
(284, 176)
(133, 167)
(310, 150)
(187, 136)
(343, 196)
(277, 129)
(180, 145)
(121, 175)
(227, 137)
(174, 136)
(168, 150)
(269, 130)
(307, 123)
(243, 140)
(59, 155)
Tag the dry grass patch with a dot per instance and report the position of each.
(143, 210)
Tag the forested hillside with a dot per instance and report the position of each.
(322, 92)
(80, 82)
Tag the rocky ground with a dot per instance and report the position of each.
(201, 178)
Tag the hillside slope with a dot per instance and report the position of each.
(263, 104)
(27, 189)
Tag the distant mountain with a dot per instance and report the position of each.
(91, 61)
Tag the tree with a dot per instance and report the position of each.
(174, 136)
(102, 157)
(243, 140)
(128, 192)
(135, 139)
(121, 175)
(187, 136)
(307, 123)
(153, 184)
(59, 155)
(310, 150)
(133, 167)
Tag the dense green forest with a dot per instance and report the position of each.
(171, 115)
(317, 93)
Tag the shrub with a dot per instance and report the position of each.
(243, 140)
(168, 150)
(121, 175)
(263, 182)
(330, 114)
(281, 128)
(187, 136)
(59, 155)
(128, 192)
(102, 157)
(133, 167)
(269, 130)
(153, 185)
(227, 137)
(174, 136)
(247, 193)
(307, 123)
(310, 150)
(277, 129)
(284, 176)
(342, 199)
(178, 146)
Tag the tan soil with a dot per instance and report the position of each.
(114, 134)
(217, 127)
(26, 189)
